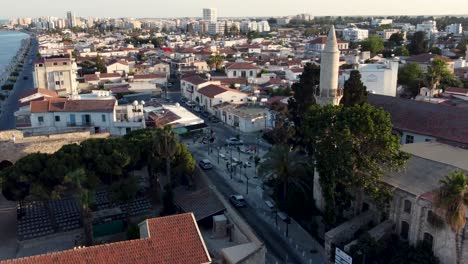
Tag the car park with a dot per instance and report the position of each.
(205, 164)
(237, 200)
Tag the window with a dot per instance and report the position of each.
(103, 117)
(428, 140)
(409, 139)
(57, 82)
(428, 238)
(61, 73)
(40, 119)
(407, 207)
(57, 118)
(251, 73)
(404, 230)
(55, 63)
(234, 73)
(65, 63)
(40, 65)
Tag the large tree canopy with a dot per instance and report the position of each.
(352, 147)
(354, 90)
(373, 43)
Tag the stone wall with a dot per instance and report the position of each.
(13, 151)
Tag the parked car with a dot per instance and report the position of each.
(247, 164)
(205, 164)
(205, 114)
(234, 141)
(214, 119)
(196, 109)
(190, 104)
(237, 200)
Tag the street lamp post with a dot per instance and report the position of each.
(247, 185)
(230, 163)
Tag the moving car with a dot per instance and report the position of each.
(234, 141)
(237, 200)
(205, 164)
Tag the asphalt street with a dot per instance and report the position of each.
(7, 119)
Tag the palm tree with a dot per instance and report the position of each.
(435, 73)
(78, 179)
(216, 61)
(452, 198)
(286, 166)
(165, 146)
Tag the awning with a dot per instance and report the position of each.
(180, 130)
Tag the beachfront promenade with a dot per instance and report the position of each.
(10, 105)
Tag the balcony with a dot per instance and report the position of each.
(74, 124)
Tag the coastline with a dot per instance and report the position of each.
(7, 74)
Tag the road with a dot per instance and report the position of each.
(7, 119)
(272, 239)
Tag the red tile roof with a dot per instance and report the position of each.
(241, 66)
(172, 239)
(439, 121)
(426, 58)
(65, 105)
(194, 79)
(91, 77)
(45, 92)
(212, 90)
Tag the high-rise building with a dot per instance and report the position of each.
(210, 14)
(71, 20)
(329, 93)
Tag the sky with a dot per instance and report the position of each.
(228, 8)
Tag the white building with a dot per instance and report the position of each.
(455, 29)
(213, 95)
(56, 74)
(355, 34)
(263, 26)
(210, 14)
(241, 69)
(381, 21)
(97, 112)
(216, 28)
(430, 27)
(243, 117)
(379, 78)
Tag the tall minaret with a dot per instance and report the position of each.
(329, 66)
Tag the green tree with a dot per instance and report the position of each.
(397, 38)
(215, 61)
(80, 185)
(353, 147)
(402, 51)
(354, 90)
(452, 199)
(234, 30)
(165, 147)
(183, 165)
(418, 43)
(285, 166)
(283, 130)
(436, 50)
(374, 44)
(303, 93)
(101, 64)
(436, 72)
(410, 77)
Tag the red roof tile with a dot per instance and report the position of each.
(65, 105)
(172, 239)
(241, 66)
(212, 90)
(194, 79)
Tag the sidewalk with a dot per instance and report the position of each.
(306, 248)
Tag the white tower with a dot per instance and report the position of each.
(210, 15)
(329, 92)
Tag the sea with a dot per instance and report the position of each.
(10, 42)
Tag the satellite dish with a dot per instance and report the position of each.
(135, 103)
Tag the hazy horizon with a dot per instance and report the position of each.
(259, 8)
